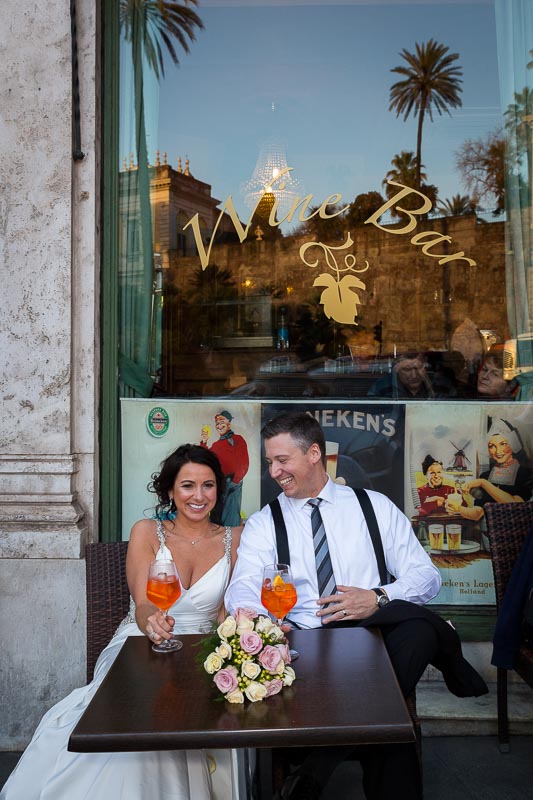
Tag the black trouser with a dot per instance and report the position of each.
(390, 772)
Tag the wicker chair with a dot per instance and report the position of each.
(108, 596)
(507, 526)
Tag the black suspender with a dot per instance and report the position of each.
(282, 541)
(373, 529)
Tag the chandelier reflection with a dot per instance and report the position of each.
(271, 181)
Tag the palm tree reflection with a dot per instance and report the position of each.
(151, 27)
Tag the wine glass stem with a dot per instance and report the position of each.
(294, 653)
(165, 614)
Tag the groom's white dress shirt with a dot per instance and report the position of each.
(352, 554)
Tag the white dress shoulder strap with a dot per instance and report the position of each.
(161, 534)
(227, 543)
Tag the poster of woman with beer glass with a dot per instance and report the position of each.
(456, 463)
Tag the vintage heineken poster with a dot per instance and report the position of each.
(457, 459)
(364, 444)
(152, 429)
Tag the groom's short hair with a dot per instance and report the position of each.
(303, 428)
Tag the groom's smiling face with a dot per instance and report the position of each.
(299, 473)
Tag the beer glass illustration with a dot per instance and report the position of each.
(436, 537)
(332, 454)
(453, 535)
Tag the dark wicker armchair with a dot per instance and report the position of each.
(507, 526)
(108, 596)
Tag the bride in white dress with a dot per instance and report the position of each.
(190, 485)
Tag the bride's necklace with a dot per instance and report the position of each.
(198, 538)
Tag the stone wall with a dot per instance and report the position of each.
(48, 329)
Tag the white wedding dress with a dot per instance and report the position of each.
(47, 771)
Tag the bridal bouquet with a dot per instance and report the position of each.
(248, 657)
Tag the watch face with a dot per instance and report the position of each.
(383, 600)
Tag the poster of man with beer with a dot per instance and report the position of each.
(442, 461)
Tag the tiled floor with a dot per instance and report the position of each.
(455, 768)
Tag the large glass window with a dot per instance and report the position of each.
(328, 204)
(314, 201)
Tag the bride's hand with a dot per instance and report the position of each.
(158, 627)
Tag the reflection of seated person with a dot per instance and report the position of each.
(450, 377)
(443, 381)
(434, 495)
(490, 381)
(407, 380)
(507, 480)
(454, 361)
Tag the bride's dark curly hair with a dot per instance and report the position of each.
(162, 482)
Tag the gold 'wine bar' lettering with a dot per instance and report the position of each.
(425, 239)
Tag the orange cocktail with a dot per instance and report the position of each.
(278, 593)
(163, 591)
(163, 588)
(278, 596)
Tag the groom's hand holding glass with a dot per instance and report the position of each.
(278, 595)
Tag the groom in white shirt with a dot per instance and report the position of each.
(296, 454)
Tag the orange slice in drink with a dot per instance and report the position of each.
(278, 581)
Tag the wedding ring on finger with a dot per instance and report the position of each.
(344, 612)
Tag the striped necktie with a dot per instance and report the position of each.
(324, 569)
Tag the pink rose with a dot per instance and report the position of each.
(270, 658)
(284, 652)
(226, 679)
(249, 613)
(273, 687)
(251, 642)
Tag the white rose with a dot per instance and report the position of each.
(264, 625)
(276, 634)
(255, 691)
(224, 650)
(212, 663)
(235, 697)
(227, 628)
(288, 676)
(245, 625)
(280, 668)
(250, 669)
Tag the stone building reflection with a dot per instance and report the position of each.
(220, 325)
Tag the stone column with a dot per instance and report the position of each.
(48, 324)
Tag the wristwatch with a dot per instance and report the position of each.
(381, 597)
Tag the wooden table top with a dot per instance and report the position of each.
(345, 693)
